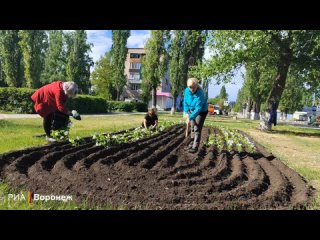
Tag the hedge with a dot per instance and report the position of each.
(141, 107)
(121, 106)
(18, 100)
(86, 104)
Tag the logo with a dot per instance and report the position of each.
(30, 197)
(35, 197)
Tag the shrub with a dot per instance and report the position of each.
(122, 106)
(16, 100)
(140, 107)
(86, 104)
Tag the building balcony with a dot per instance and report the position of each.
(134, 70)
(135, 81)
(135, 60)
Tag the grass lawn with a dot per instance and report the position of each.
(3, 112)
(297, 147)
(18, 133)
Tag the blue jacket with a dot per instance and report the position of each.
(196, 103)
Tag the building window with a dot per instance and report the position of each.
(135, 86)
(134, 55)
(134, 76)
(135, 65)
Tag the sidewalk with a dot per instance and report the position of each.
(15, 116)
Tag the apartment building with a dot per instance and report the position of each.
(132, 90)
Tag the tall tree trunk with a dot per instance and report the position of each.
(205, 87)
(280, 81)
(256, 109)
(154, 97)
(19, 74)
(286, 114)
(258, 105)
(249, 106)
(174, 105)
(283, 68)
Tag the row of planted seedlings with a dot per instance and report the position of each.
(230, 140)
(114, 139)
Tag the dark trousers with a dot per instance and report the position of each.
(55, 121)
(196, 128)
(47, 124)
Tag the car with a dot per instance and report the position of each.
(213, 109)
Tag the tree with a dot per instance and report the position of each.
(155, 62)
(177, 65)
(223, 93)
(239, 106)
(146, 86)
(196, 40)
(257, 86)
(55, 60)
(119, 52)
(11, 58)
(78, 59)
(33, 44)
(295, 49)
(101, 77)
(214, 100)
(223, 96)
(2, 76)
(186, 50)
(292, 96)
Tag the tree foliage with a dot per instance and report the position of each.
(101, 77)
(78, 59)
(186, 50)
(33, 45)
(119, 54)
(11, 58)
(271, 49)
(154, 63)
(55, 60)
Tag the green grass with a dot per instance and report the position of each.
(285, 142)
(253, 124)
(297, 147)
(4, 112)
(18, 133)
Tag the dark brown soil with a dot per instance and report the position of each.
(158, 173)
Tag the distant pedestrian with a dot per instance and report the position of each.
(273, 112)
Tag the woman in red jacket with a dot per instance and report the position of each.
(50, 100)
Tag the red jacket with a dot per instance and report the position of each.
(49, 99)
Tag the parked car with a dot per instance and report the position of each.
(213, 109)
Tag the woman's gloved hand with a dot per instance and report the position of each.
(75, 115)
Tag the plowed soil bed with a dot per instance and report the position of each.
(158, 173)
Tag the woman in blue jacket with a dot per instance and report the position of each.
(195, 109)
